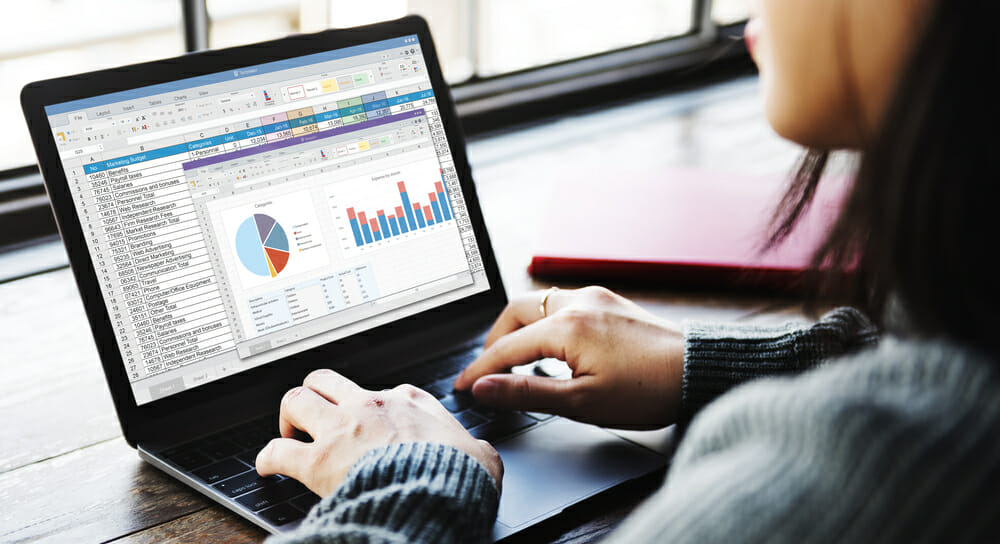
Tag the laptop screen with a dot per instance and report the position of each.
(240, 217)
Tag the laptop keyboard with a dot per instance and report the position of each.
(482, 422)
(226, 460)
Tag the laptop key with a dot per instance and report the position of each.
(457, 402)
(281, 514)
(220, 449)
(422, 374)
(469, 419)
(253, 438)
(457, 363)
(217, 472)
(437, 394)
(271, 495)
(249, 481)
(190, 459)
(305, 502)
(176, 450)
(504, 425)
(250, 456)
(445, 386)
(488, 413)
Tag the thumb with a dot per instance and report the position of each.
(532, 393)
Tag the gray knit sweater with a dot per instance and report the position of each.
(898, 442)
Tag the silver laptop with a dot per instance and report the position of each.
(237, 218)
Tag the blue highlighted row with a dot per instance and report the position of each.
(419, 95)
(302, 121)
(180, 148)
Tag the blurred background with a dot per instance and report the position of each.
(512, 64)
(479, 41)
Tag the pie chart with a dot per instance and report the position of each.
(262, 245)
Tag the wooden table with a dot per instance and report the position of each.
(66, 475)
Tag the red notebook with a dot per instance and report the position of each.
(679, 228)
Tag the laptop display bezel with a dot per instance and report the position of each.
(133, 417)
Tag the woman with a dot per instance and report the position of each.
(848, 440)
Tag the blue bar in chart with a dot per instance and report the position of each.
(383, 224)
(443, 200)
(365, 229)
(401, 217)
(406, 205)
(354, 227)
(435, 207)
(409, 217)
(420, 216)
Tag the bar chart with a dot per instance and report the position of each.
(407, 216)
(389, 206)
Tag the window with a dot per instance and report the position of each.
(235, 22)
(76, 36)
(476, 39)
(519, 34)
(730, 11)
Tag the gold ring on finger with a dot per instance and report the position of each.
(545, 300)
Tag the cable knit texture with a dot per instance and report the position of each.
(719, 356)
(414, 492)
(897, 442)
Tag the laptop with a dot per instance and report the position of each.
(235, 219)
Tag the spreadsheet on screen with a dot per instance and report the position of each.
(239, 217)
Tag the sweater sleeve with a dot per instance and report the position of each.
(719, 356)
(894, 444)
(405, 493)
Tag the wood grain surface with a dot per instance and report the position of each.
(214, 524)
(66, 475)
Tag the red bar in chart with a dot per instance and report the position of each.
(409, 217)
(420, 216)
(402, 219)
(435, 207)
(355, 227)
(366, 231)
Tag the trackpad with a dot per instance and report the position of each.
(553, 466)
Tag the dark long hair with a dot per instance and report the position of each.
(921, 223)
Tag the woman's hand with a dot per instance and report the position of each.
(627, 363)
(345, 421)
